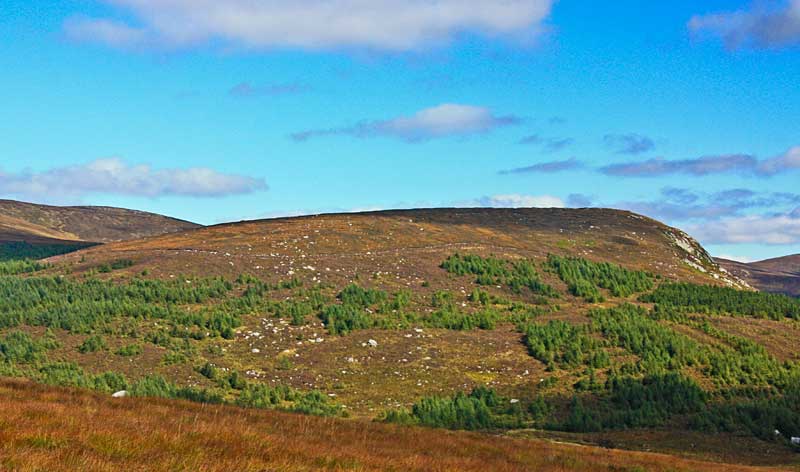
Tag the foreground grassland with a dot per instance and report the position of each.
(54, 429)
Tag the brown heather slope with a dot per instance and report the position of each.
(43, 224)
(405, 247)
(779, 275)
(44, 428)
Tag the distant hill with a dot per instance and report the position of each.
(779, 275)
(44, 224)
(409, 245)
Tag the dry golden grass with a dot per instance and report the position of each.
(43, 428)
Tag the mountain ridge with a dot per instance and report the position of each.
(776, 275)
(48, 224)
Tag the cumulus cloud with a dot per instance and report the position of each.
(248, 90)
(516, 200)
(774, 229)
(546, 167)
(437, 122)
(629, 143)
(388, 25)
(114, 176)
(767, 25)
(732, 163)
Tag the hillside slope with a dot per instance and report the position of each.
(594, 326)
(58, 429)
(778, 275)
(406, 246)
(32, 223)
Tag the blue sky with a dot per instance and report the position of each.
(213, 111)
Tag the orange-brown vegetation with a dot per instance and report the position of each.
(44, 428)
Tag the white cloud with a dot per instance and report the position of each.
(389, 25)
(114, 176)
(790, 160)
(767, 25)
(515, 200)
(437, 122)
(777, 229)
(109, 32)
(731, 163)
(731, 257)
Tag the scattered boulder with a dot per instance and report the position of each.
(372, 343)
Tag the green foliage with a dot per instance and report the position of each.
(585, 278)
(115, 265)
(659, 347)
(738, 362)
(11, 251)
(711, 299)
(93, 343)
(130, 350)
(364, 309)
(67, 374)
(443, 299)
(356, 296)
(493, 271)
(342, 319)
(581, 419)
(287, 398)
(480, 410)
(20, 347)
(154, 386)
(652, 400)
(87, 306)
(18, 267)
(635, 403)
(297, 311)
(760, 416)
(558, 343)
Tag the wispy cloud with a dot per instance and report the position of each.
(112, 33)
(546, 167)
(437, 122)
(766, 25)
(516, 200)
(386, 25)
(248, 90)
(679, 204)
(732, 163)
(773, 229)
(114, 176)
(725, 217)
(548, 144)
(700, 166)
(629, 143)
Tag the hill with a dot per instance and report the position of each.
(779, 275)
(58, 429)
(43, 224)
(405, 247)
(595, 326)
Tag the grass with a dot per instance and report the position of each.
(43, 428)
